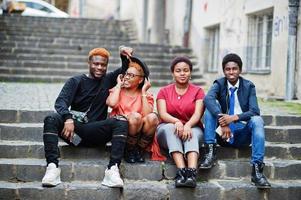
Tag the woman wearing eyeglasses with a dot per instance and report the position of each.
(130, 99)
(180, 107)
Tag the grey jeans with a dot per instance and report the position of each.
(168, 140)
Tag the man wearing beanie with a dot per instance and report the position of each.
(86, 123)
(232, 119)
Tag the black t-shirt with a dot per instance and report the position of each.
(80, 91)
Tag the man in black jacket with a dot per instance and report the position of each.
(231, 104)
(86, 94)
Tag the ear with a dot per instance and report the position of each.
(141, 80)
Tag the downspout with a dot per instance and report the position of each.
(187, 23)
(293, 7)
(145, 20)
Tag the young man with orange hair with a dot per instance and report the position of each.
(86, 123)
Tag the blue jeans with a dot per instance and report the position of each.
(244, 135)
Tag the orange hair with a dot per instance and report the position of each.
(99, 52)
(136, 66)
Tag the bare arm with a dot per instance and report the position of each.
(146, 107)
(113, 98)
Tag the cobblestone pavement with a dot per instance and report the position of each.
(41, 96)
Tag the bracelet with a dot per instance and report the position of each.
(69, 122)
(144, 95)
(118, 86)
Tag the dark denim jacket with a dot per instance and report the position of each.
(246, 94)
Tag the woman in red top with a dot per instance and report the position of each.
(130, 98)
(180, 107)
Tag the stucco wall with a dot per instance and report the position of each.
(232, 17)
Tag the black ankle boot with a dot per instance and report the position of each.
(190, 177)
(130, 156)
(180, 178)
(210, 157)
(258, 178)
(140, 156)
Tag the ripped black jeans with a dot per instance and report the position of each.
(92, 134)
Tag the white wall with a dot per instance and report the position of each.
(232, 16)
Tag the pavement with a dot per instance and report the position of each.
(41, 96)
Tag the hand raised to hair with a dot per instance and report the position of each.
(119, 79)
(146, 85)
(126, 51)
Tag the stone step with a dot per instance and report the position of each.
(211, 190)
(52, 31)
(165, 75)
(58, 79)
(37, 116)
(29, 149)
(80, 35)
(68, 23)
(33, 131)
(289, 134)
(52, 62)
(80, 57)
(85, 44)
(27, 20)
(27, 170)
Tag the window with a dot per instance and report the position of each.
(259, 43)
(213, 48)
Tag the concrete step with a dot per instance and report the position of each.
(37, 55)
(14, 44)
(27, 20)
(37, 116)
(27, 170)
(165, 75)
(80, 35)
(67, 56)
(289, 134)
(29, 149)
(58, 79)
(32, 132)
(214, 189)
(51, 62)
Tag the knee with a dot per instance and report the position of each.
(167, 129)
(135, 119)
(257, 121)
(151, 119)
(52, 123)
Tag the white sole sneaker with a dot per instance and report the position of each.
(112, 178)
(52, 176)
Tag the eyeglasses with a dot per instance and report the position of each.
(131, 75)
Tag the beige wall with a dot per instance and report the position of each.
(232, 17)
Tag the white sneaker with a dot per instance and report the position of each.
(112, 177)
(52, 176)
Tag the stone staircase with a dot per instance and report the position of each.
(22, 167)
(51, 50)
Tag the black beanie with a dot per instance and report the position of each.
(232, 57)
(178, 59)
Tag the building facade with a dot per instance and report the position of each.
(256, 30)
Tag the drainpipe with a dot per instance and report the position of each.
(145, 20)
(293, 7)
(187, 23)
